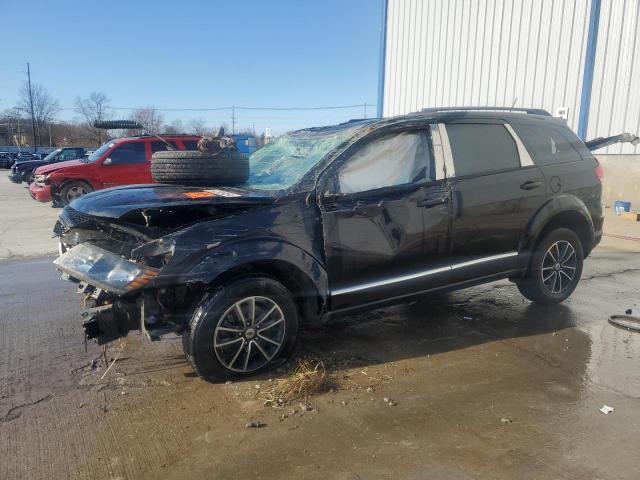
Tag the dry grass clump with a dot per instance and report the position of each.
(309, 377)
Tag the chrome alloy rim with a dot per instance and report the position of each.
(559, 266)
(249, 334)
(75, 192)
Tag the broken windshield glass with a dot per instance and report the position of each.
(280, 164)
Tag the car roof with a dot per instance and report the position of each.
(153, 137)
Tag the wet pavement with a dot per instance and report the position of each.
(485, 385)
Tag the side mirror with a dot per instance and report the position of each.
(107, 161)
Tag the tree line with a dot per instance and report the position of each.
(16, 127)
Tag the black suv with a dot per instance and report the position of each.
(23, 171)
(335, 220)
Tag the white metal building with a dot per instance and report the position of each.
(583, 55)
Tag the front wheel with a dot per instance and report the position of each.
(247, 326)
(555, 269)
(72, 190)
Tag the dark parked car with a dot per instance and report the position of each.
(23, 171)
(6, 159)
(336, 220)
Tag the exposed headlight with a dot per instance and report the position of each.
(104, 269)
(41, 179)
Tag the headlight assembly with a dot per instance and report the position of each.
(104, 269)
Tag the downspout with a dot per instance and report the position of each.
(589, 64)
(383, 53)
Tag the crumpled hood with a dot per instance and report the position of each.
(117, 202)
(57, 166)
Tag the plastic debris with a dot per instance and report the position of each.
(255, 424)
(606, 409)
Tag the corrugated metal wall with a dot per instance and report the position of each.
(526, 53)
(615, 98)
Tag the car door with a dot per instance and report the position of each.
(374, 204)
(496, 189)
(127, 163)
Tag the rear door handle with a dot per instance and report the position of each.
(530, 185)
(432, 202)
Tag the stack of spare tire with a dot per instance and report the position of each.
(217, 163)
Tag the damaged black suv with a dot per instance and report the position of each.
(335, 220)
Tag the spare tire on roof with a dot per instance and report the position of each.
(225, 168)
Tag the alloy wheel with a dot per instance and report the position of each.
(559, 266)
(75, 192)
(249, 334)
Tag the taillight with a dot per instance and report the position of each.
(599, 171)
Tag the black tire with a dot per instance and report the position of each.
(218, 351)
(29, 177)
(544, 281)
(72, 190)
(226, 168)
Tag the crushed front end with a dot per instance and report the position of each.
(115, 266)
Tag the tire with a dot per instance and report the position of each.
(72, 190)
(226, 168)
(28, 177)
(221, 347)
(549, 281)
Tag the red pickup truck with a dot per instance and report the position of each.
(121, 161)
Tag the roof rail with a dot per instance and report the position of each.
(530, 111)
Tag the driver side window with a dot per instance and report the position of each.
(392, 160)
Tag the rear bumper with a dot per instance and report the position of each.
(40, 193)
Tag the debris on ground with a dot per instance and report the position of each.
(628, 311)
(627, 322)
(255, 424)
(506, 420)
(606, 409)
(307, 378)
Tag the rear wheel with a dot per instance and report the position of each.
(72, 190)
(555, 269)
(247, 326)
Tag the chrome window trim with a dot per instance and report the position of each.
(412, 276)
(438, 151)
(450, 169)
(525, 158)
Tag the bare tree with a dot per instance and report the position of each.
(197, 126)
(174, 127)
(45, 107)
(150, 119)
(93, 109)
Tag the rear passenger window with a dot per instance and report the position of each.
(160, 146)
(190, 144)
(482, 148)
(128, 153)
(547, 146)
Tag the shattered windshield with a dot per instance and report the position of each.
(280, 164)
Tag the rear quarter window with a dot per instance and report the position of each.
(550, 146)
(479, 148)
(190, 144)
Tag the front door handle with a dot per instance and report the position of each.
(432, 202)
(530, 185)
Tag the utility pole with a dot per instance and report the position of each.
(365, 109)
(233, 119)
(19, 140)
(33, 120)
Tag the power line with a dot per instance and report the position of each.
(236, 107)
